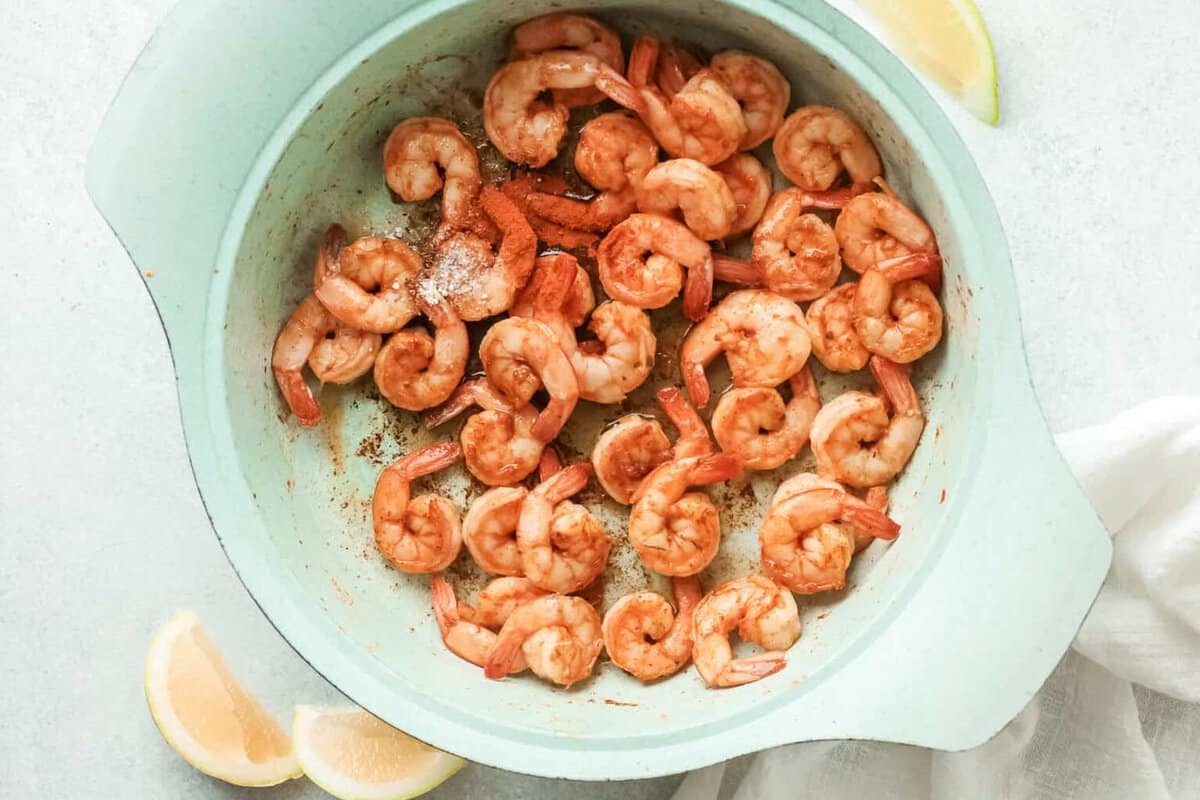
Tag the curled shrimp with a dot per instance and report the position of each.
(368, 283)
(527, 130)
(425, 155)
(701, 121)
(495, 602)
(698, 194)
(816, 143)
(563, 547)
(416, 534)
(673, 531)
(803, 546)
(876, 497)
(876, 227)
(559, 637)
(302, 339)
(614, 153)
(760, 429)
(759, 88)
(621, 356)
(761, 612)
(762, 335)
(646, 637)
(835, 342)
(521, 354)
(570, 32)
(415, 371)
(490, 530)
(855, 440)
(641, 263)
(466, 638)
(498, 445)
(750, 183)
(896, 314)
(478, 279)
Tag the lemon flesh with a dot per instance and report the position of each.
(948, 41)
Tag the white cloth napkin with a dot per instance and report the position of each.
(1090, 732)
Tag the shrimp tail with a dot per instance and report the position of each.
(750, 669)
(804, 385)
(715, 468)
(428, 459)
(696, 382)
(697, 290)
(687, 594)
(500, 659)
(681, 413)
(298, 396)
(733, 270)
(564, 483)
(893, 380)
(549, 465)
(926, 266)
(869, 519)
(643, 57)
(619, 90)
(831, 199)
(445, 604)
(877, 498)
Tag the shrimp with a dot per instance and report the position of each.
(575, 307)
(699, 195)
(896, 315)
(563, 547)
(480, 281)
(626, 452)
(498, 446)
(750, 183)
(676, 533)
(693, 435)
(570, 32)
(830, 321)
(761, 333)
(797, 251)
(559, 636)
(803, 547)
(367, 284)
(621, 356)
(518, 356)
(467, 639)
(854, 439)
(490, 530)
(756, 426)
(527, 130)
(701, 121)
(646, 637)
(614, 153)
(760, 89)
(495, 602)
(416, 534)
(415, 371)
(424, 155)
(762, 612)
(521, 189)
(816, 143)
(303, 340)
(876, 226)
(876, 497)
(673, 69)
(641, 263)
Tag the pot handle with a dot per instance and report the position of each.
(196, 108)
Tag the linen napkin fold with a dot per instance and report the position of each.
(1089, 732)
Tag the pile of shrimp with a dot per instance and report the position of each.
(676, 160)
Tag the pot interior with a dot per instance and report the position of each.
(313, 486)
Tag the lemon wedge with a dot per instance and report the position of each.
(206, 716)
(355, 756)
(948, 41)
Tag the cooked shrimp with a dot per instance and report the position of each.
(415, 371)
(566, 634)
(563, 547)
(646, 637)
(527, 130)
(797, 251)
(760, 429)
(641, 263)
(490, 530)
(876, 226)
(495, 602)
(614, 153)
(674, 68)
(626, 452)
(835, 342)
(519, 355)
(750, 183)
(876, 497)
(423, 155)
(760, 89)
(303, 340)
(367, 284)
(467, 639)
(521, 188)
(621, 356)
(579, 301)
(761, 333)
(416, 534)
(897, 315)
(854, 439)
(816, 143)
(803, 548)
(480, 281)
(701, 121)
(498, 446)
(683, 187)
(676, 533)
(761, 612)
(570, 32)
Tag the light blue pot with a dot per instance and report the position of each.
(245, 128)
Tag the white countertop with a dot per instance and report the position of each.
(1094, 169)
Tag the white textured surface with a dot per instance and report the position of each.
(104, 536)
